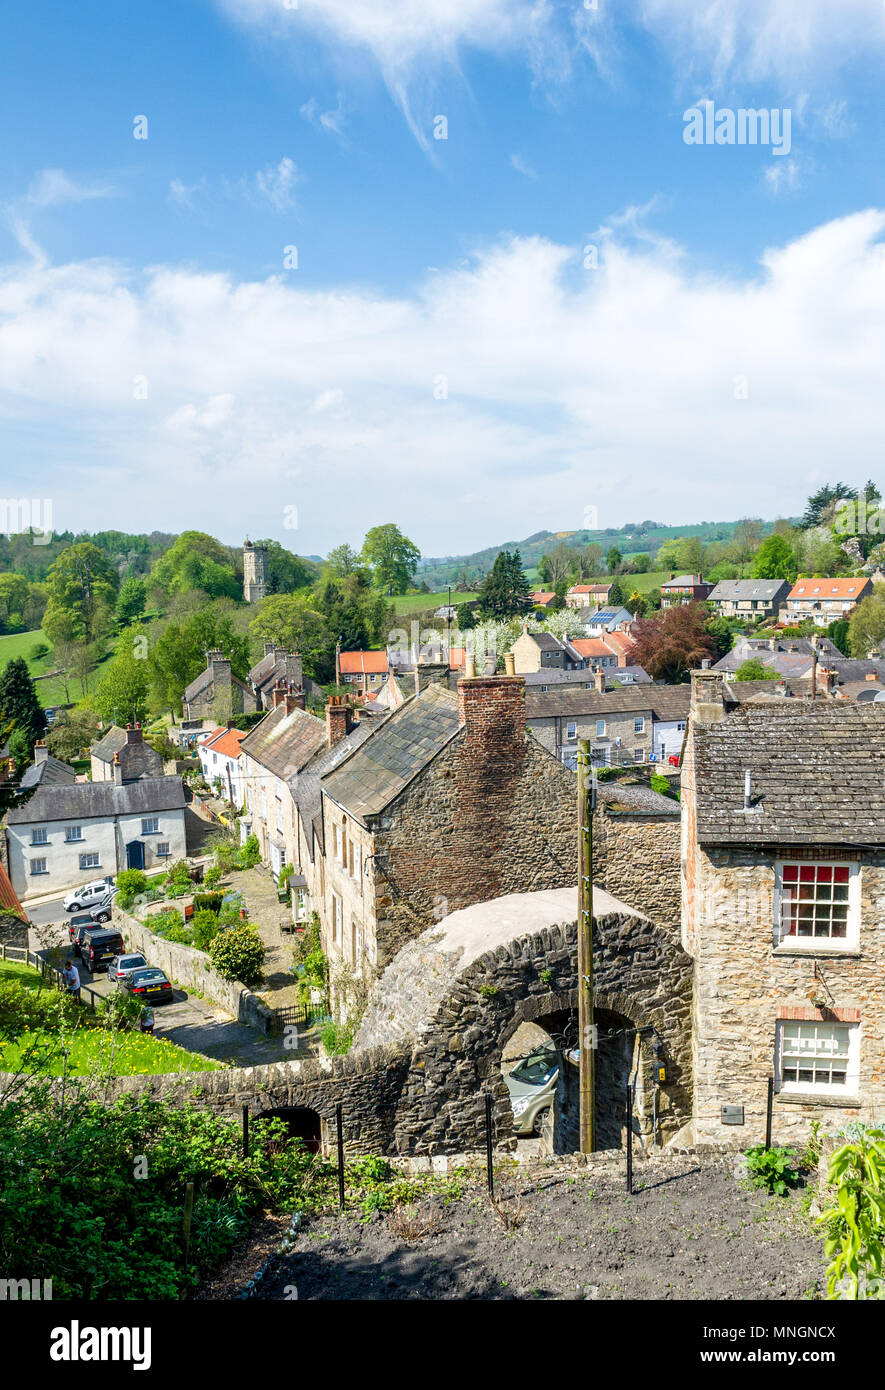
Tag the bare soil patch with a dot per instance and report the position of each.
(691, 1231)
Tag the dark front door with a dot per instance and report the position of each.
(135, 855)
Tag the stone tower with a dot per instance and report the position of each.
(254, 572)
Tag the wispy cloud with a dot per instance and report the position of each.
(522, 166)
(276, 184)
(783, 176)
(332, 121)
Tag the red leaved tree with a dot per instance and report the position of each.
(672, 642)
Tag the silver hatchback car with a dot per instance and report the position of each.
(532, 1087)
(121, 966)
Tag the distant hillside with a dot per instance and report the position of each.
(644, 537)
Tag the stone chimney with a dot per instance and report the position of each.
(269, 648)
(117, 769)
(337, 720)
(492, 710)
(41, 752)
(134, 735)
(707, 696)
(428, 672)
(599, 680)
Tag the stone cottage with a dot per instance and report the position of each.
(127, 748)
(783, 903)
(217, 693)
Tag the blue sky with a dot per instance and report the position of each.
(442, 355)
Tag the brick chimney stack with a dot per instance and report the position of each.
(492, 709)
(279, 693)
(599, 680)
(295, 698)
(117, 771)
(41, 752)
(337, 720)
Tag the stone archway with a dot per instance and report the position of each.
(463, 987)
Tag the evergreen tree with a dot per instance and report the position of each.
(505, 589)
(20, 709)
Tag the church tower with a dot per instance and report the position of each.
(254, 572)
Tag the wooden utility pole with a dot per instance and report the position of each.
(586, 1026)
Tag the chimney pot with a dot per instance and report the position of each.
(509, 664)
(41, 752)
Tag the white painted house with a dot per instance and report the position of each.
(67, 834)
(219, 753)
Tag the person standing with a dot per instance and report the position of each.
(71, 977)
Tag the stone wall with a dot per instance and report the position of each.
(745, 983)
(366, 1084)
(193, 969)
(13, 931)
(470, 829)
(637, 859)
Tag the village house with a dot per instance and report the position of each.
(684, 588)
(219, 754)
(217, 693)
(542, 598)
(270, 756)
(823, 601)
(790, 657)
(70, 832)
(587, 595)
(541, 651)
(277, 664)
(749, 598)
(447, 803)
(600, 621)
(128, 748)
(625, 726)
(367, 670)
(611, 649)
(783, 850)
(46, 770)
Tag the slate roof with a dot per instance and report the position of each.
(282, 742)
(95, 800)
(51, 772)
(205, 678)
(733, 590)
(556, 677)
(666, 702)
(635, 799)
(403, 745)
(307, 787)
(638, 673)
(817, 774)
(545, 640)
(138, 759)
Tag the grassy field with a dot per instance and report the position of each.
(50, 691)
(126, 1054)
(407, 605)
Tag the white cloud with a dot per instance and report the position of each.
(760, 39)
(565, 387)
(52, 187)
(277, 183)
(523, 166)
(783, 176)
(332, 121)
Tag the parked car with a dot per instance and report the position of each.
(101, 912)
(121, 966)
(87, 895)
(532, 1087)
(85, 919)
(148, 984)
(99, 946)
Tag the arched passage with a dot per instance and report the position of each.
(301, 1123)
